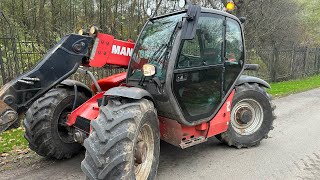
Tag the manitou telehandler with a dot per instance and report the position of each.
(183, 85)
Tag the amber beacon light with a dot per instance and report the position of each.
(230, 6)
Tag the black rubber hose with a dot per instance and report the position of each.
(75, 97)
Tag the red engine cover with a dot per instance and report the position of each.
(110, 82)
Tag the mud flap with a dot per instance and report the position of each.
(7, 116)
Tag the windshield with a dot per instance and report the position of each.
(154, 45)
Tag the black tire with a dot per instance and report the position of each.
(113, 141)
(43, 123)
(248, 137)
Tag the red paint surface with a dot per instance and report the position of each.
(88, 110)
(174, 133)
(221, 121)
(104, 55)
(110, 82)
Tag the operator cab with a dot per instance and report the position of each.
(198, 55)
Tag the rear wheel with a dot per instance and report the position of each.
(46, 131)
(251, 117)
(124, 142)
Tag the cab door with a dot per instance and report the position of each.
(198, 81)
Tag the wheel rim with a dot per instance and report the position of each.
(246, 116)
(62, 129)
(143, 154)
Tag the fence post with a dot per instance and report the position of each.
(3, 76)
(305, 60)
(293, 57)
(318, 59)
(275, 58)
(314, 69)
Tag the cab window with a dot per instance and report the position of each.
(206, 47)
(234, 52)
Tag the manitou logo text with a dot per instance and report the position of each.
(122, 51)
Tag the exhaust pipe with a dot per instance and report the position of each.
(7, 116)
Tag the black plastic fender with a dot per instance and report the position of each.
(129, 92)
(250, 79)
(82, 87)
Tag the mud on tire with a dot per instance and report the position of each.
(112, 146)
(252, 117)
(44, 124)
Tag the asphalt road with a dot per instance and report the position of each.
(291, 152)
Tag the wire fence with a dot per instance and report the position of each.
(19, 52)
(285, 64)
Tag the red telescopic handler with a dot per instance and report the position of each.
(183, 85)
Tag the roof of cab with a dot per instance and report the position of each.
(203, 9)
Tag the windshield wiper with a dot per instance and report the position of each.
(161, 53)
(163, 49)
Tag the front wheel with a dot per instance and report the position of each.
(46, 131)
(251, 117)
(124, 142)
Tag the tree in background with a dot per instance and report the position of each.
(310, 21)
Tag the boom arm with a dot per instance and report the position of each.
(58, 64)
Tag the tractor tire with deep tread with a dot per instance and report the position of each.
(255, 98)
(46, 132)
(113, 142)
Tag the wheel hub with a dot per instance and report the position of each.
(63, 130)
(244, 116)
(141, 152)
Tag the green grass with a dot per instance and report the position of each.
(12, 139)
(285, 88)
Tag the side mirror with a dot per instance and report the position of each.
(189, 26)
(253, 67)
(242, 20)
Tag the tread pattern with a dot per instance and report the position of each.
(109, 147)
(38, 124)
(228, 138)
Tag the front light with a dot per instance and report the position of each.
(182, 3)
(148, 70)
(93, 30)
(81, 32)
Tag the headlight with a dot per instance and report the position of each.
(182, 3)
(81, 32)
(93, 30)
(148, 70)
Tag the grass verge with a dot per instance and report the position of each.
(285, 88)
(14, 150)
(12, 139)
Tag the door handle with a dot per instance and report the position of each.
(181, 77)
